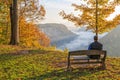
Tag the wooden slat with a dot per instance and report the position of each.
(80, 57)
(87, 52)
(84, 59)
(85, 62)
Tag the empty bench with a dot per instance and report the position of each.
(82, 57)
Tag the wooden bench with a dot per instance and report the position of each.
(81, 57)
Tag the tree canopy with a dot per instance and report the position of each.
(29, 12)
(88, 16)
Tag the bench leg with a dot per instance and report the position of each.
(69, 68)
(68, 64)
(103, 66)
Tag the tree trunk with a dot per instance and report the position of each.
(11, 21)
(14, 24)
(97, 18)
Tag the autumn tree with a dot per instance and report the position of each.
(28, 9)
(29, 12)
(89, 15)
(14, 40)
(31, 36)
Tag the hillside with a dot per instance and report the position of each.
(111, 42)
(58, 33)
(50, 65)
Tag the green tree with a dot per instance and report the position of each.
(88, 16)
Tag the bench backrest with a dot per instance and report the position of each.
(102, 53)
(88, 52)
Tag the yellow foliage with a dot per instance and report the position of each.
(31, 36)
(89, 18)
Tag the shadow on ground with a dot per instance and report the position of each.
(63, 74)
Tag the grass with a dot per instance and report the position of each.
(50, 65)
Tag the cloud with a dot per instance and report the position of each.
(81, 42)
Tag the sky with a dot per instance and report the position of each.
(53, 7)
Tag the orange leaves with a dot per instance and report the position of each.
(31, 10)
(42, 11)
(88, 16)
(30, 36)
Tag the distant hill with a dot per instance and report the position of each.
(58, 33)
(111, 42)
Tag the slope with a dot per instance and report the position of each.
(111, 42)
(58, 33)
